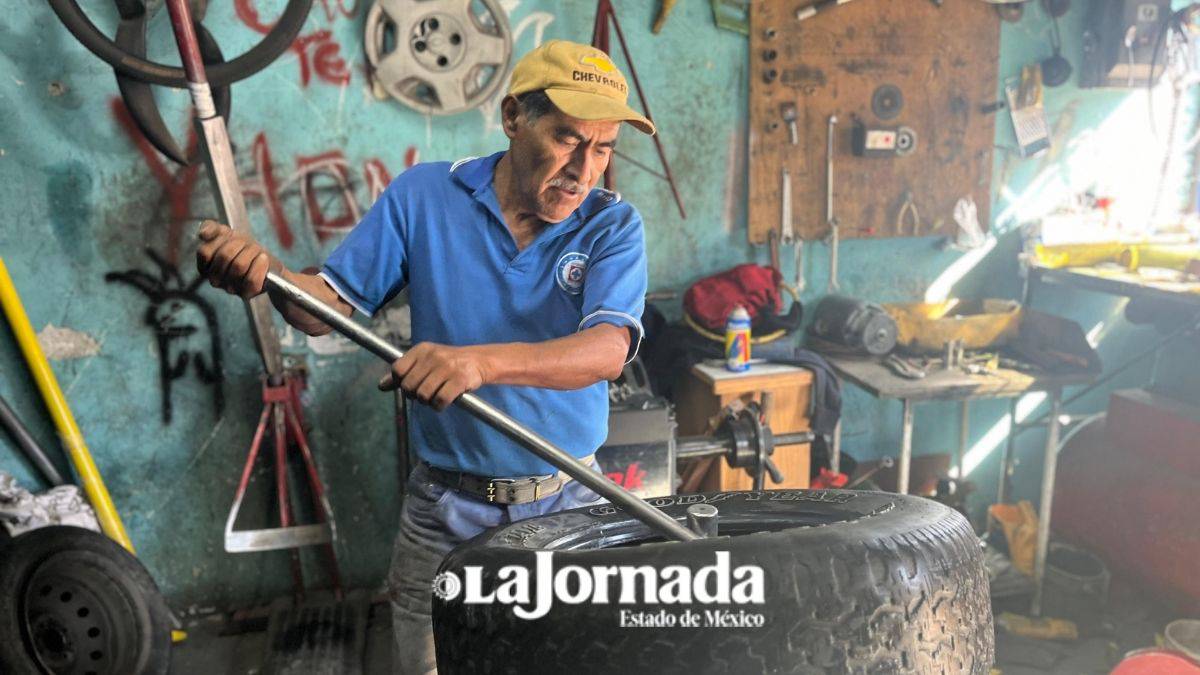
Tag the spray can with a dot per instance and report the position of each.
(737, 340)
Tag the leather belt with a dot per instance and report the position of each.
(521, 490)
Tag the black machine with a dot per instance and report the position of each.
(854, 325)
(1123, 41)
(642, 449)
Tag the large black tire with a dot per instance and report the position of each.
(856, 582)
(74, 601)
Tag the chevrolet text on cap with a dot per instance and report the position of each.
(580, 80)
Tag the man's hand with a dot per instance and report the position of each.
(437, 374)
(233, 261)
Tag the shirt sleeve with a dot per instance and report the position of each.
(614, 288)
(370, 266)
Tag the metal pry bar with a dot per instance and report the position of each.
(492, 416)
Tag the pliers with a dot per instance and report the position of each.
(909, 206)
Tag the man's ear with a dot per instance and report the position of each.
(510, 115)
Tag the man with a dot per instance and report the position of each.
(526, 285)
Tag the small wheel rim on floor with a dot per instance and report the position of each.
(77, 620)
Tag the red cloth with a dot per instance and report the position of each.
(710, 300)
(828, 479)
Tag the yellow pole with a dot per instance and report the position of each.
(72, 438)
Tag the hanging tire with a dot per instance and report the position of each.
(854, 582)
(74, 601)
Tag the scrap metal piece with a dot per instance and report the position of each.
(904, 367)
(22, 511)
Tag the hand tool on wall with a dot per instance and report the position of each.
(908, 208)
(64, 420)
(606, 15)
(788, 231)
(830, 218)
(490, 415)
(788, 112)
(25, 441)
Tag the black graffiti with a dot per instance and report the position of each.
(169, 296)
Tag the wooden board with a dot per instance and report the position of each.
(943, 60)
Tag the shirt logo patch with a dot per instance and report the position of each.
(570, 271)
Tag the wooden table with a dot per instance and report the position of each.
(705, 390)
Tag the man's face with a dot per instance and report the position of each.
(557, 159)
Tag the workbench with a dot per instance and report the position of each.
(1114, 280)
(873, 376)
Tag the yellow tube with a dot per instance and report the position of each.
(85, 467)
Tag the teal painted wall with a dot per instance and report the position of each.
(81, 202)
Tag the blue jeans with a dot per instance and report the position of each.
(433, 520)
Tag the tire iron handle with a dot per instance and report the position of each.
(492, 416)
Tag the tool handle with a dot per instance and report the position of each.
(490, 415)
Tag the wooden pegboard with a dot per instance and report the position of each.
(944, 60)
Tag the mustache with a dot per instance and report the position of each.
(566, 184)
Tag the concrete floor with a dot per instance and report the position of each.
(218, 644)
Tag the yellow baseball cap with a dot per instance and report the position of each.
(580, 80)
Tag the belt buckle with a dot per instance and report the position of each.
(491, 487)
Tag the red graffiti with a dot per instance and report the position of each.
(325, 182)
(266, 186)
(331, 165)
(631, 478)
(377, 175)
(317, 52)
(178, 184)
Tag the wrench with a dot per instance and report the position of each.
(787, 230)
(831, 219)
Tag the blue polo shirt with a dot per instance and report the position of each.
(438, 231)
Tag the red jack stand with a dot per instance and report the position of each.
(281, 408)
